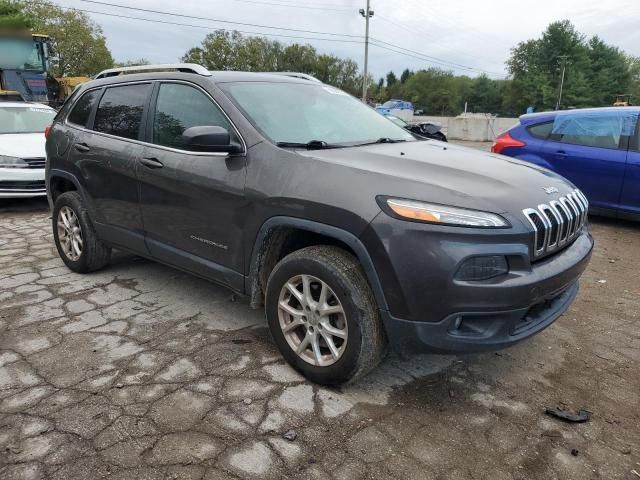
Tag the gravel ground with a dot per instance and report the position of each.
(143, 372)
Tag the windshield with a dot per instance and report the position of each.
(32, 119)
(390, 103)
(306, 112)
(21, 54)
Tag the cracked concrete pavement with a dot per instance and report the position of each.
(142, 372)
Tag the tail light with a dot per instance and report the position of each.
(47, 130)
(506, 141)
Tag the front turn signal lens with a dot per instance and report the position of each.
(443, 214)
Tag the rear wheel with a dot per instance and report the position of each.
(75, 238)
(322, 315)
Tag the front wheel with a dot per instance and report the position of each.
(323, 316)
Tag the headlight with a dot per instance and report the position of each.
(11, 162)
(441, 214)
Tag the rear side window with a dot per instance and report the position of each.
(120, 111)
(594, 129)
(541, 130)
(82, 109)
(180, 107)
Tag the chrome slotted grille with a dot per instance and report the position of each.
(558, 222)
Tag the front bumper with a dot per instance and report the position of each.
(22, 182)
(429, 310)
(468, 332)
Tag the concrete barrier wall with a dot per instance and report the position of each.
(472, 128)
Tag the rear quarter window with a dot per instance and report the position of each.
(82, 109)
(120, 110)
(541, 130)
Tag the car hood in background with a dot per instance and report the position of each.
(23, 145)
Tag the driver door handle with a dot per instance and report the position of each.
(81, 147)
(151, 162)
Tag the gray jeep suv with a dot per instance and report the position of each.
(354, 234)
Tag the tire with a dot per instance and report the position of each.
(94, 254)
(347, 289)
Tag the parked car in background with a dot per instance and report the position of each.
(22, 153)
(399, 108)
(350, 231)
(422, 129)
(596, 149)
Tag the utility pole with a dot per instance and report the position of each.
(563, 60)
(367, 14)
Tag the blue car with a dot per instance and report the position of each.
(596, 149)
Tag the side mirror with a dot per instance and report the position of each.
(209, 139)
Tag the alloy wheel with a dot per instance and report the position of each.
(69, 233)
(312, 320)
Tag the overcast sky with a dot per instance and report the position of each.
(474, 35)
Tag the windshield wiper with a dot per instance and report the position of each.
(383, 140)
(311, 145)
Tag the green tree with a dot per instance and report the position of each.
(12, 17)
(391, 79)
(594, 71)
(131, 63)
(224, 50)
(485, 95)
(405, 75)
(634, 83)
(77, 41)
(610, 73)
(437, 91)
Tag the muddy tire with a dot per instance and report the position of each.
(78, 245)
(323, 316)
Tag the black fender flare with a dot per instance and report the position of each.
(55, 173)
(252, 286)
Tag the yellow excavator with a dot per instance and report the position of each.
(622, 100)
(24, 65)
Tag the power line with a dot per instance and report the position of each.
(418, 56)
(379, 43)
(410, 29)
(166, 22)
(174, 14)
(315, 6)
(351, 6)
(436, 59)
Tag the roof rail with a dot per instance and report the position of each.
(181, 67)
(304, 76)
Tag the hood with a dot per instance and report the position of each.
(23, 145)
(439, 172)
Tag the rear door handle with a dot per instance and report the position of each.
(81, 147)
(561, 153)
(151, 162)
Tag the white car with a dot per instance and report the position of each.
(22, 154)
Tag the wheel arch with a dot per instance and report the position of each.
(270, 245)
(59, 182)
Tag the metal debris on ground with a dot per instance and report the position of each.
(580, 417)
